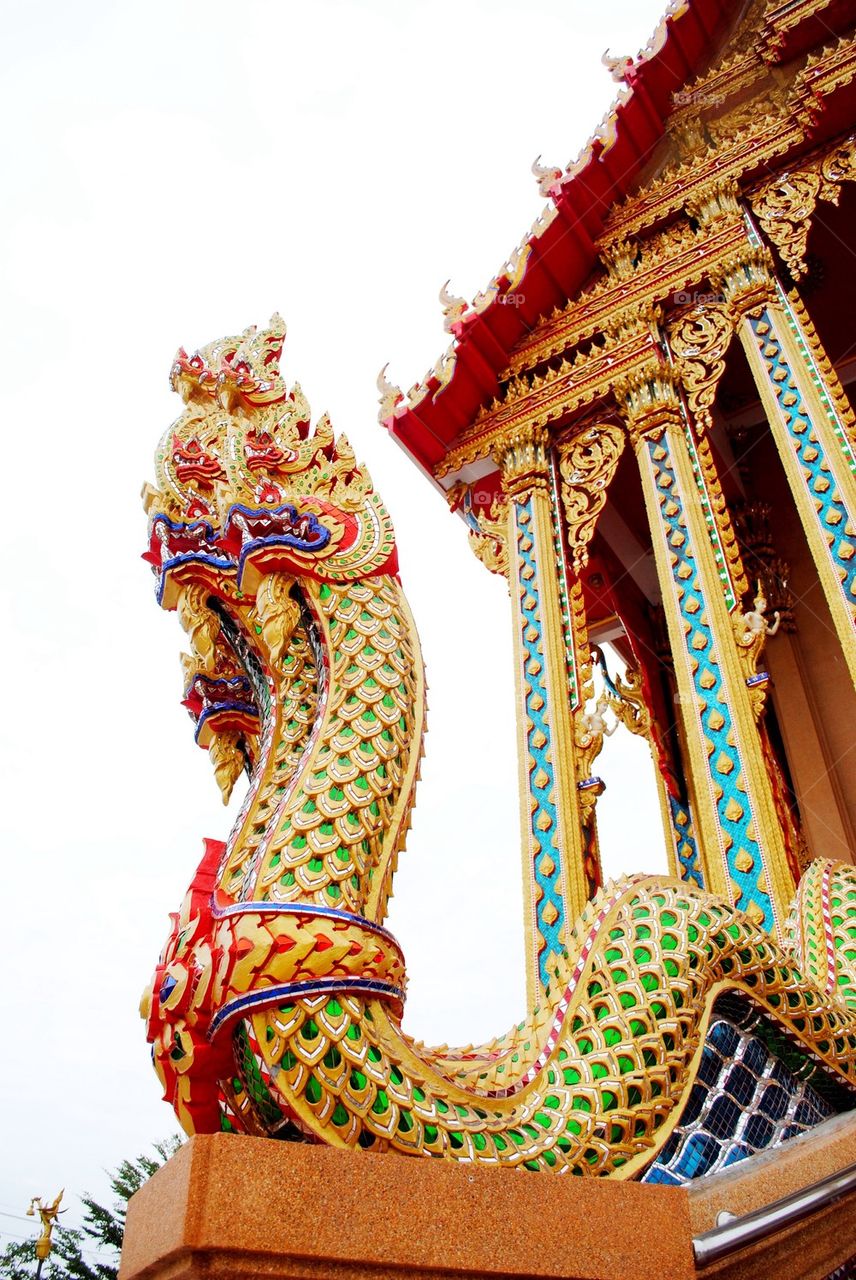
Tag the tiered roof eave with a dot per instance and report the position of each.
(559, 252)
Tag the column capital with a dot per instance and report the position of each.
(649, 401)
(746, 280)
(619, 257)
(717, 202)
(636, 320)
(523, 459)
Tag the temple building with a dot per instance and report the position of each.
(645, 422)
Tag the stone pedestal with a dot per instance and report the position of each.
(245, 1208)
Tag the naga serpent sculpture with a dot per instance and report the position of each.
(276, 1007)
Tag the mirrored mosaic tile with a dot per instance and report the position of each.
(745, 1100)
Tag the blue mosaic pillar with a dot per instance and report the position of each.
(737, 833)
(685, 854)
(815, 450)
(555, 884)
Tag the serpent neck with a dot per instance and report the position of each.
(329, 801)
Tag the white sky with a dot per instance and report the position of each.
(175, 171)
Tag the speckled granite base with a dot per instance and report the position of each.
(243, 1208)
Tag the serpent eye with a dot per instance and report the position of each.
(173, 989)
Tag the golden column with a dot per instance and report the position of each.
(810, 437)
(555, 885)
(736, 825)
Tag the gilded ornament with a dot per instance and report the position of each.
(699, 337)
(390, 396)
(627, 700)
(716, 203)
(620, 259)
(784, 205)
(277, 612)
(675, 260)
(686, 129)
(228, 761)
(200, 624)
(487, 529)
(524, 458)
(641, 320)
(533, 401)
(48, 1214)
(649, 399)
(491, 550)
(620, 68)
(490, 541)
(547, 176)
(751, 629)
(453, 308)
(746, 280)
(590, 729)
(587, 464)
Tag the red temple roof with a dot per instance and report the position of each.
(560, 252)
